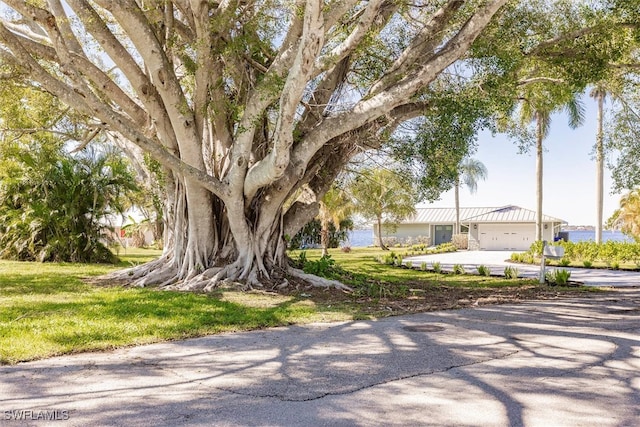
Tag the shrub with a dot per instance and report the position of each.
(423, 240)
(460, 241)
(458, 269)
(558, 277)
(536, 248)
(510, 272)
(436, 267)
(390, 241)
(516, 257)
(562, 276)
(320, 267)
(588, 251)
(564, 262)
(53, 207)
(615, 265)
(423, 266)
(409, 264)
(302, 259)
(483, 270)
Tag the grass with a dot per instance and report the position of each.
(48, 310)
(361, 263)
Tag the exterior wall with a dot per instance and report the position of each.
(474, 241)
(549, 233)
(409, 230)
(474, 237)
(404, 232)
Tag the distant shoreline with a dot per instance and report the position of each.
(364, 237)
(583, 228)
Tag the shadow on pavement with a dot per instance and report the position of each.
(562, 362)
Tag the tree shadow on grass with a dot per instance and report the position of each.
(108, 318)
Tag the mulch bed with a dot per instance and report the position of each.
(422, 296)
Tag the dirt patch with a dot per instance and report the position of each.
(415, 297)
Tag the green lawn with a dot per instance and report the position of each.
(361, 262)
(47, 309)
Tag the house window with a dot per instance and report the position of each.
(464, 228)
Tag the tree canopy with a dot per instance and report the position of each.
(383, 196)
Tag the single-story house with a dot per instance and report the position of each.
(498, 228)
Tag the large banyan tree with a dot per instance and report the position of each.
(251, 108)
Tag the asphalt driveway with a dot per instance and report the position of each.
(546, 363)
(498, 260)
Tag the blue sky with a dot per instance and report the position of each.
(569, 173)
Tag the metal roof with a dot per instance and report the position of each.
(443, 215)
(508, 213)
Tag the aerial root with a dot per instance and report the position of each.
(317, 281)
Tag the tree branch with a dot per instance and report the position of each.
(272, 167)
(364, 24)
(92, 106)
(539, 80)
(145, 91)
(422, 46)
(370, 108)
(162, 77)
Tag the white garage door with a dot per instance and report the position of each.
(506, 237)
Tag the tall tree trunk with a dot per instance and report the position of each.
(599, 168)
(457, 201)
(324, 236)
(539, 175)
(379, 227)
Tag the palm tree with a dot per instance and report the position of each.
(470, 171)
(599, 93)
(335, 206)
(629, 216)
(382, 195)
(540, 112)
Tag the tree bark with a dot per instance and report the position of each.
(379, 228)
(324, 236)
(457, 202)
(599, 168)
(539, 173)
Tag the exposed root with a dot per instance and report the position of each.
(164, 274)
(136, 272)
(318, 281)
(160, 277)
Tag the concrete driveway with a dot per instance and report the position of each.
(498, 260)
(573, 362)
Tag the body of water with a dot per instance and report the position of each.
(360, 238)
(586, 235)
(363, 238)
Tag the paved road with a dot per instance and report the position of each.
(547, 363)
(497, 260)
